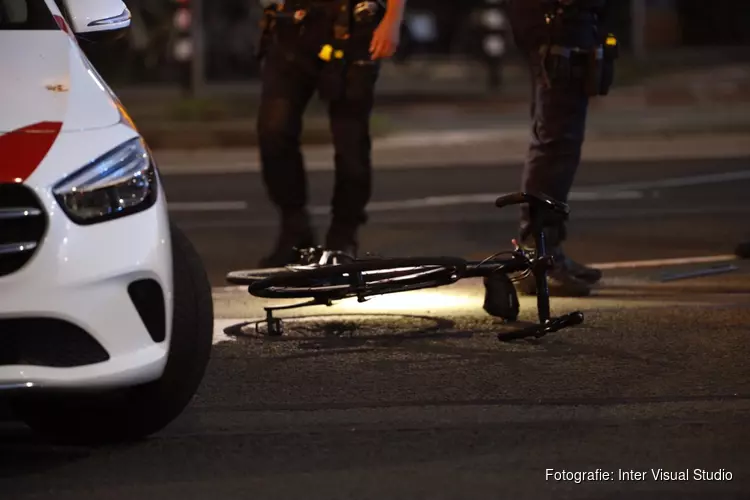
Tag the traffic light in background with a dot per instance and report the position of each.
(183, 48)
(493, 30)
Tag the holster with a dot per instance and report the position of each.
(352, 77)
(266, 27)
(601, 67)
(595, 67)
(610, 53)
(562, 65)
(278, 20)
(353, 81)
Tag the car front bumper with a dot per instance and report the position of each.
(76, 286)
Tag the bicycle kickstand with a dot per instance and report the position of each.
(276, 325)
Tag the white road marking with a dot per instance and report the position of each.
(449, 137)
(503, 148)
(490, 215)
(607, 192)
(677, 182)
(206, 206)
(473, 199)
(680, 261)
(604, 195)
(386, 206)
(480, 198)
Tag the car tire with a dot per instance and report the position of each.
(134, 413)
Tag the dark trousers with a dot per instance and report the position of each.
(291, 75)
(558, 124)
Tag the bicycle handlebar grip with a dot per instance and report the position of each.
(509, 199)
(535, 200)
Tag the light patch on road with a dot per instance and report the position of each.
(229, 289)
(222, 324)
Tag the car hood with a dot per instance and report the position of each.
(46, 79)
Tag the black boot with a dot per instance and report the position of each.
(343, 238)
(584, 273)
(555, 237)
(296, 234)
(560, 281)
(566, 279)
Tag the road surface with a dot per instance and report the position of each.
(620, 211)
(413, 397)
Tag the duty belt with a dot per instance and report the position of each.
(570, 60)
(298, 11)
(568, 52)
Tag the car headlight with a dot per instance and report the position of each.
(120, 183)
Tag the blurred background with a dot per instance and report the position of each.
(192, 61)
(436, 29)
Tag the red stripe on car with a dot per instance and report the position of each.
(22, 150)
(62, 24)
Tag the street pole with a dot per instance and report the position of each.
(198, 67)
(638, 28)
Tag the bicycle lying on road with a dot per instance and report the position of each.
(324, 277)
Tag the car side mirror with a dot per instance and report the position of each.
(98, 20)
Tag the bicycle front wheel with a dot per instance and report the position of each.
(251, 276)
(361, 278)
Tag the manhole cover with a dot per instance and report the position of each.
(354, 330)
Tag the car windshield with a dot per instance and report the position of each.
(26, 15)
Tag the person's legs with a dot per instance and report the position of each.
(350, 128)
(557, 135)
(287, 86)
(558, 129)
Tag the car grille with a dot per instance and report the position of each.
(22, 226)
(47, 342)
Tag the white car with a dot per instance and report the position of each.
(106, 316)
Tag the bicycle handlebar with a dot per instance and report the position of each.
(535, 200)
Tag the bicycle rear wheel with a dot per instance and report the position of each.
(361, 278)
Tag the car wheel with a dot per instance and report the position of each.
(137, 412)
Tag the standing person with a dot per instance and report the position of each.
(557, 39)
(334, 48)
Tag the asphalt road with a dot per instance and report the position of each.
(413, 397)
(621, 211)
